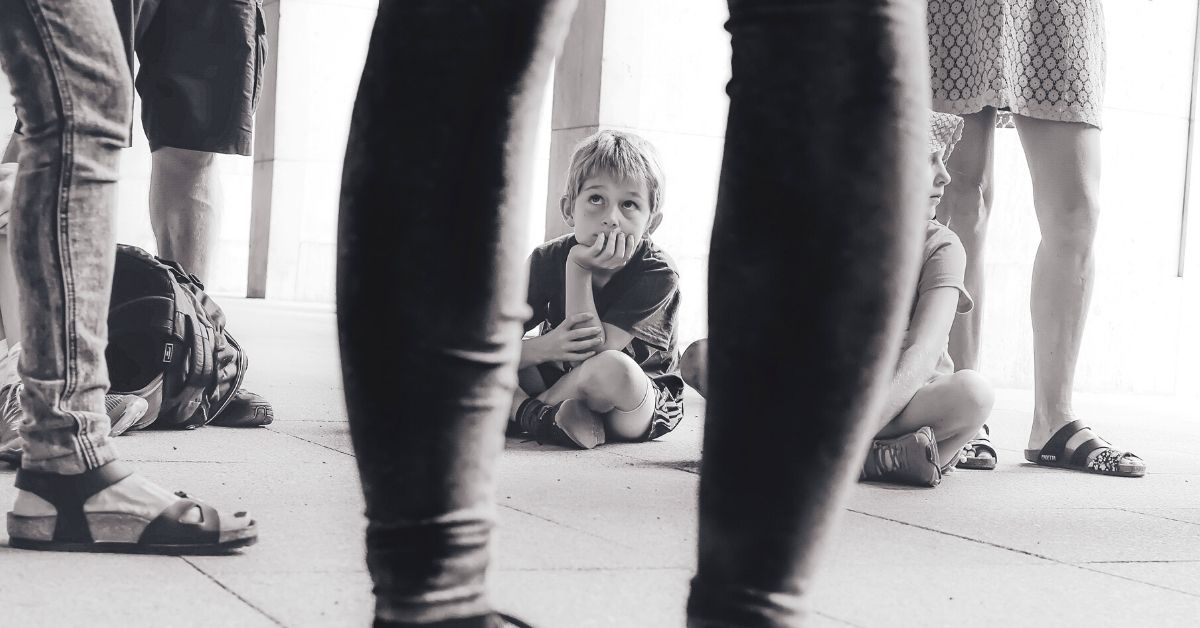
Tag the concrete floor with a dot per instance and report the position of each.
(606, 538)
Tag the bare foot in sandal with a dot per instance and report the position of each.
(122, 512)
(1078, 448)
(978, 453)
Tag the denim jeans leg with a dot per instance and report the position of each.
(818, 220)
(73, 92)
(431, 283)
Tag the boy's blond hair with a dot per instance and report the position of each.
(623, 155)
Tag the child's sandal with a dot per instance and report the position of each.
(71, 530)
(978, 453)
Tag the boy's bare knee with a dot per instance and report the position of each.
(610, 361)
(610, 373)
(975, 393)
(694, 362)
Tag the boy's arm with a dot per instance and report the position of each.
(574, 340)
(579, 297)
(531, 352)
(928, 331)
(615, 338)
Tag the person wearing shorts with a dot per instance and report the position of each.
(200, 75)
(66, 64)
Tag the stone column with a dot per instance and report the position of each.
(316, 56)
(657, 69)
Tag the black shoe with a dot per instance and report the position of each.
(246, 409)
(569, 423)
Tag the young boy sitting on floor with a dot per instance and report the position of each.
(606, 300)
(931, 411)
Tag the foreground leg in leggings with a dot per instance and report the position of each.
(431, 284)
(817, 227)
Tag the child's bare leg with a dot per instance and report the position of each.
(694, 366)
(605, 396)
(606, 381)
(632, 424)
(954, 406)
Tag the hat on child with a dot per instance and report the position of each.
(945, 129)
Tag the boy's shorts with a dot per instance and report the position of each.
(202, 63)
(668, 399)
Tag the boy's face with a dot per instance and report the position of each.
(939, 178)
(606, 205)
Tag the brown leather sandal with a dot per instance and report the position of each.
(70, 529)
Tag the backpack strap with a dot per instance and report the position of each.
(201, 338)
(243, 363)
(181, 275)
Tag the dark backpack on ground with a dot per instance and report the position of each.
(167, 342)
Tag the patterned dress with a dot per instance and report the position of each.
(1038, 58)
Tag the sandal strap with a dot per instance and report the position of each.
(1057, 444)
(168, 529)
(67, 493)
(1080, 455)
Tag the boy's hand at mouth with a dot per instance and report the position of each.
(610, 251)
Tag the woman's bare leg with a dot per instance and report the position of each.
(1064, 160)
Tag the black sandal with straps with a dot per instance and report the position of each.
(1110, 461)
(72, 530)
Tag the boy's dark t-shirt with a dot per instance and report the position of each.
(642, 298)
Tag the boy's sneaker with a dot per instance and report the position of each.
(10, 423)
(569, 423)
(124, 411)
(908, 459)
(246, 409)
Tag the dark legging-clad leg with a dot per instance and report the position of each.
(431, 282)
(813, 262)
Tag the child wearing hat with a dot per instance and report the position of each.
(931, 411)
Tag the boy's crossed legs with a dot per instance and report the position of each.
(953, 406)
(606, 395)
